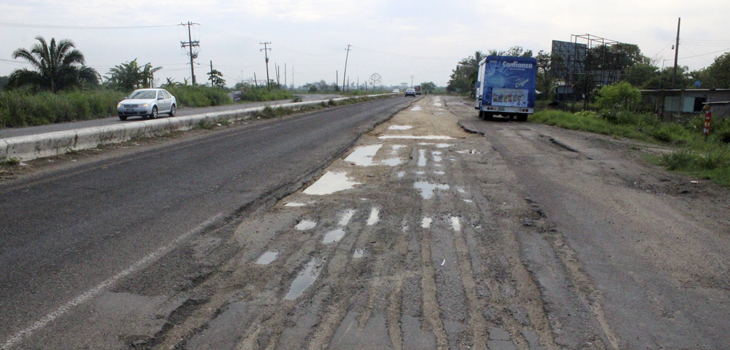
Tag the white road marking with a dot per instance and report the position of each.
(159, 252)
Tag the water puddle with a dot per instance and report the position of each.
(333, 236)
(295, 204)
(416, 108)
(427, 189)
(437, 104)
(359, 253)
(330, 183)
(439, 172)
(401, 174)
(443, 145)
(305, 225)
(460, 189)
(468, 151)
(363, 155)
(305, 279)
(422, 157)
(426, 222)
(400, 127)
(267, 258)
(420, 172)
(374, 216)
(392, 161)
(468, 200)
(413, 137)
(346, 217)
(396, 148)
(455, 223)
(436, 156)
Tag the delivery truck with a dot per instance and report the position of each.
(506, 87)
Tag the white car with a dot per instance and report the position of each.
(147, 103)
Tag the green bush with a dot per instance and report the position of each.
(618, 96)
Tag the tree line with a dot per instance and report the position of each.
(626, 59)
(58, 66)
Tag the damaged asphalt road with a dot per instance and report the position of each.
(435, 231)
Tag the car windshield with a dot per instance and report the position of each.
(143, 95)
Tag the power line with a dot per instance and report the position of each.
(266, 50)
(190, 44)
(51, 26)
(709, 53)
(344, 74)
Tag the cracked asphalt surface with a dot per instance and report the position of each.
(436, 230)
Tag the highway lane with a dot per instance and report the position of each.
(113, 120)
(64, 233)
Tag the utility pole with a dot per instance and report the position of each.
(676, 53)
(211, 73)
(411, 81)
(285, 75)
(344, 74)
(266, 50)
(255, 81)
(337, 77)
(190, 44)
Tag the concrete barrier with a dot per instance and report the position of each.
(59, 142)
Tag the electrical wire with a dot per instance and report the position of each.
(705, 54)
(51, 26)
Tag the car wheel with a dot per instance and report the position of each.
(121, 117)
(173, 111)
(154, 113)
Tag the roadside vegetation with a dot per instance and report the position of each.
(617, 109)
(61, 88)
(697, 155)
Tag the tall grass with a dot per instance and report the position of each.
(22, 108)
(263, 94)
(198, 95)
(706, 157)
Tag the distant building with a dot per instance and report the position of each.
(673, 104)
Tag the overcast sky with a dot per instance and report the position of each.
(397, 39)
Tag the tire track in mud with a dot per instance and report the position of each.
(398, 283)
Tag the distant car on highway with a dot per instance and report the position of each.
(147, 103)
(410, 92)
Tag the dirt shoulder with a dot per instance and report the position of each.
(645, 246)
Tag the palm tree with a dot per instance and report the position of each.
(129, 76)
(57, 67)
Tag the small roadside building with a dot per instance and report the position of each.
(675, 104)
